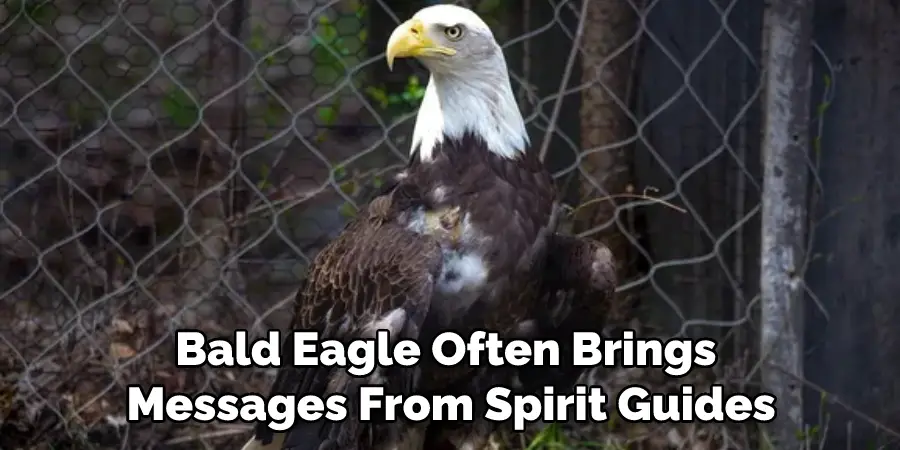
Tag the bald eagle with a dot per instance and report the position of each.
(459, 241)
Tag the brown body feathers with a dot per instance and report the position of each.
(384, 272)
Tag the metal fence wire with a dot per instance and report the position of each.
(169, 164)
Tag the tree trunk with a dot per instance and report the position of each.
(607, 68)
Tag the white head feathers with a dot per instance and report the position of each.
(469, 89)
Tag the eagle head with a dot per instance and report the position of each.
(447, 39)
(469, 90)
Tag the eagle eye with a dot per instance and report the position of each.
(454, 33)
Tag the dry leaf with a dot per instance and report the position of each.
(121, 351)
(122, 326)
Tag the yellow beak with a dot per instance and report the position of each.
(409, 40)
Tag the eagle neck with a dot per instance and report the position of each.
(482, 105)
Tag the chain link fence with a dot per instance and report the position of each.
(169, 164)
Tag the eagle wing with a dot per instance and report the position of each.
(376, 275)
(578, 283)
(578, 287)
(579, 266)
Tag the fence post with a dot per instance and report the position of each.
(787, 58)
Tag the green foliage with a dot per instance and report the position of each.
(332, 53)
(335, 48)
(261, 46)
(329, 54)
(339, 173)
(328, 46)
(345, 184)
(40, 12)
(327, 114)
(821, 109)
(408, 99)
(550, 437)
(257, 40)
(812, 434)
(180, 108)
(347, 210)
(264, 173)
(272, 114)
